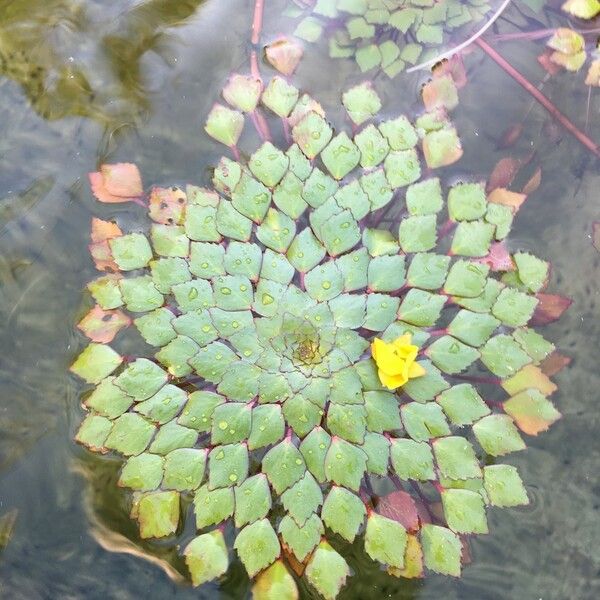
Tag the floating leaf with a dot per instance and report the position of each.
(456, 458)
(252, 500)
(96, 362)
(385, 540)
(531, 411)
(301, 540)
(464, 511)
(412, 460)
(158, 514)
(102, 326)
(441, 550)
(442, 148)
(224, 125)
(257, 546)
(462, 404)
(120, 182)
(361, 102)
(206, 557)
(227, 465)
(275, 583)
(284, 55)
(450, 355)
(212, 506)
(400, 506)
(343, 512)
(283, 465)
(280, 96)
(503, 486)
(242, 92)
(498, 435)
(327, 571)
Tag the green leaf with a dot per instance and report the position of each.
(190, 296)
(232, 224)
(464, 511)
(399, 132)
(442, 148)
(466, 279)
(421, 308)
(484, 302)
(472, 328)
(309, 29)
(206, 260)
(170, 240)
(268, 426)
(318, 188)
(428, 271)
(300, 166)
(275, 583)
(377, 448)
(361, 101)
(348, 310)
(382, 411)
(386, 273)
(305, 252)
(472, 238)
(280, 96)
(198, 411)
(312, 133)
(503, 356)
(257, 546)
(385, 540)
(93, 432)
(412, 460)
(456, 458)
(451, 356)
(367, 57)
(230, 423)
(327, 571)
(353, 197)
(403, 19)
(514, 308)
(164, 405)
(533, 272)
(184, 469)
(168, 272)
(402, 167)
(462, 404)
(243, 259)
(287, 196)
(141, 379)
(176, 354)
(442, 550)
(345, 464)
(377, 188)
(343, 512)
(131, 251)
(359, 28)
(225, 178)
(347, 421)
(142, 473)
(268, 164)
(533, 343)
(301, 540)
(96, 362)
(497, 435)
(252, 500)
(354, 269)
(140, 294)
(284, 465)
(531, 411)
(212, 506)
(381, 311)
(372, 145)
(250, 197)
(224, 125)
(379, 242)
(314, 449)
(158, 514)
(227, 465)
(108, 400)
(172, 436)
(504, 486)
(418, 234)
(276, 267)
(340, 233)
(277, 231)
(106, 291)
(467, 202)
(302, 499)
(324, 282)
(340, 156)
(206, 557)
(242, 92)
(424, 197)
(424, 421)
(502, 217)
(301, 415)
(196, 325)
(428, 386)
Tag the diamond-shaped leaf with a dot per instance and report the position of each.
(456, 458)
(184, 469)
(301, 540)
(503, 356)
(442, 550)
(242, 92)
(402, 167)
(312, 133)
(224, 125)
(498, 435)
(385, 540)
(531, 411)
(412, 460)
(131, 251)
(340, 156)
(503, 486)
(212, 506)
(96, 362)
(462, 404)
(227, 465)
(206, 557)
(343, 512)
(283, 465)
(158, 514)
(464, 511)
(472, 238)
(275, 582)
(302, 499)
(142, 473)
(466, 279)
(277, 231)
(418, 234)
(345, 464)
(424, 421)
(305, 252)
(361, 102)
(327, 571)
(252, 500)
(280, 96)
(451, 356)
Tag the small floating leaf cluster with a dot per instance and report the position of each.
(385, 34)
(262, 401)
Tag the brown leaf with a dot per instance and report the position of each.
(534, 183)
(104, 230)
(503, 173)
(120, 182)
(102, 256)
(284, 55)
(554, 363)
(510, 136)
(167, 205)
(507, 198)
(549, 308)
(102, 326)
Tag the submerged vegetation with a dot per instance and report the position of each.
(328, 321)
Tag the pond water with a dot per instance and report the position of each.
(89, 81)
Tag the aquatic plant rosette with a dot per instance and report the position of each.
(306, 351)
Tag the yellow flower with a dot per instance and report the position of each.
(396, 361)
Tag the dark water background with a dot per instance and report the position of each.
(88, 81)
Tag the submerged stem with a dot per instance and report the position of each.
(551, 108)
(259, 6)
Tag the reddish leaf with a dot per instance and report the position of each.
(400, 507)
(104, 230)
(440, 92)
(549, 308)
(120, 182)
(534, 183)
(527, 378)
(545, 61)
(503, 173)
(292, 561)
(554, 363)
(167, 205)
(284, 55)
(596, 235)
(531, 411)
(102, 325)
(503, 196)
(498, 258)
(453, 66)
(466, 557)
(102, 256)
(510, 136)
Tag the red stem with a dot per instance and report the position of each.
(257, 21)
(562, 119)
